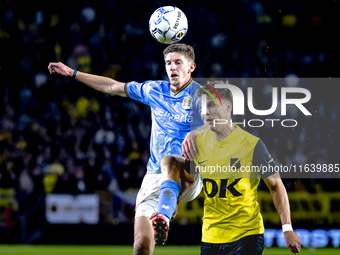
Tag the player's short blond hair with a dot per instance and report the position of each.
(186, 50)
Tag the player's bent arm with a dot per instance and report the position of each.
(281, 202)
(100, 83)
(280, 197)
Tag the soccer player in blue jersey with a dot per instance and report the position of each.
(175, 108)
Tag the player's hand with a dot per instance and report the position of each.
(60, 69)
(189, 146)
(293, 241)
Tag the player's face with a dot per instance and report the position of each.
(217, 112)
(178, 69)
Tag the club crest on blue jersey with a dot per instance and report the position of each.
(187, 102)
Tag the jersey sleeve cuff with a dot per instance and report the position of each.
(125, 89)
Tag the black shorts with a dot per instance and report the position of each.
(248, 245)
(190, 167)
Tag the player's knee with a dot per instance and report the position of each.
(142, 245)
(169, 164)
(169, 161)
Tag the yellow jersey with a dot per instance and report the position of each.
(231, 210)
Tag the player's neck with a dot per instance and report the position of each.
(223, 132)
(180, 87)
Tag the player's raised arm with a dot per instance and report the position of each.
(100, 83)
(280, 199)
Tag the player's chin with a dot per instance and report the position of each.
(175, 82)
(211, 125)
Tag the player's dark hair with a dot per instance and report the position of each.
(186, 50)
(223, 93)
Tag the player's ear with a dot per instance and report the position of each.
(229, 106)
(192, 67)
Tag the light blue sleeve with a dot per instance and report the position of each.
(138, 91)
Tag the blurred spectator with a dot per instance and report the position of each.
(26, 183)
(103, 136)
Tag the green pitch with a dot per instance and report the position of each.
(127, 250)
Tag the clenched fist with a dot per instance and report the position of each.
(60, 69)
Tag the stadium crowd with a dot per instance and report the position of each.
(59, 136)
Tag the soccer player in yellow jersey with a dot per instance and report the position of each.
(232, 222)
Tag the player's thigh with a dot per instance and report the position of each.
(143, 231)
(147, 197)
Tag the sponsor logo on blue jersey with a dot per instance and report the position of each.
(176, 117)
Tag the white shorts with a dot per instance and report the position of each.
(147, 197)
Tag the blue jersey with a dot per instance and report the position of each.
(173, 114)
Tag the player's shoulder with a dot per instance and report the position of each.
(243, 135)
(193, 89)
(255, 141)
(160, 85)
(152, 83)
(194, 86)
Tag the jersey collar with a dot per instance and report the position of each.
(227, 139)
(182, 88)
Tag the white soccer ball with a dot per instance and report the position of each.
(168, 24)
